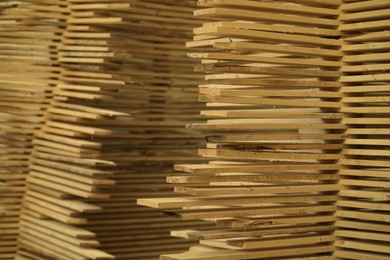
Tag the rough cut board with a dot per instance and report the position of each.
(299, 150)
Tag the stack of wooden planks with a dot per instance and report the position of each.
(363, 215)
(113, 129)
(95, 95)
(54, 192)
(272, 71)
(27, 75)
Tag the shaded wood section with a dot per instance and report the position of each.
(28, 73)
(114, 125)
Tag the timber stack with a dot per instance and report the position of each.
(272, 71)
(363, 215)
(28, 73)
(113, 129)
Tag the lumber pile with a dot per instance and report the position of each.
(113, 129)
(294, 99)
(27, 75)
(303, 114)
(363, 215)
(272, 71)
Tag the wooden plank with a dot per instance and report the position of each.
(255, 190)
(258, 16)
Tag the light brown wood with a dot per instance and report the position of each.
(111, 124)
(363, 212)
(274, 94)
(95, 96)
(281, 109)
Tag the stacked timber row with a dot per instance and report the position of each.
(114, 128)
(364, 196)
(145, 146)
(272, 73)
(28, 73)
(64, 165)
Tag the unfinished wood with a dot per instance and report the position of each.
(362, 214)
(122, 93)
(27, 76)
(272, 72)
(95, 96)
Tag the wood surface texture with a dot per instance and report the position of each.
(298, 149)
(274, 113)
(27, 77)
(363, 218)
(111, 91)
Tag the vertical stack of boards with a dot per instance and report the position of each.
(111, 92)
(363, 215)
(272, 73)
(27, 75)
(94, 97)
(300, 149)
